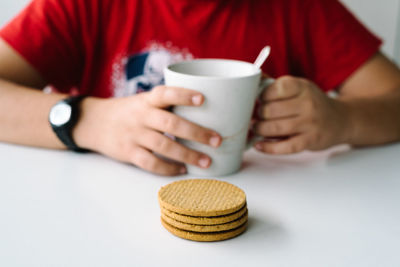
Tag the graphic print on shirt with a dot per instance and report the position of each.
(144, 70)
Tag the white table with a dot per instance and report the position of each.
(334, 208)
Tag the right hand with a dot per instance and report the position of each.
(131, 129)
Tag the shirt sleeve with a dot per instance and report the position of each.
(47, 34)
(334, 43)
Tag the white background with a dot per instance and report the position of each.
(380, 16)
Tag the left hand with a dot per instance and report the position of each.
(298, 110)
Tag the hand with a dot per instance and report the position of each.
(297, 110)
(132, 130)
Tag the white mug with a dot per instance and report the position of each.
(230, 90)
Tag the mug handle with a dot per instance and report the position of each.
(264, 84)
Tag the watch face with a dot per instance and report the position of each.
(60, 114)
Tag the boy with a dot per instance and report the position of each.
(115, 48)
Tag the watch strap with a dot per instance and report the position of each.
(64, 132)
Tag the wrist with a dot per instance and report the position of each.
(85, 132)
(347, 127)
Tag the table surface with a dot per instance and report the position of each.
(338, 207)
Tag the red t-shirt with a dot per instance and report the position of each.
(116, 47)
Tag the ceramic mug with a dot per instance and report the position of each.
(230, 90)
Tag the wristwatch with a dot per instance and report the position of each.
(63, 117)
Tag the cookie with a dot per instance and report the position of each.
(205, 237)
(205, 228)
(204, 220)
(202, 197)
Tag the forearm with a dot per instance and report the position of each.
(24, 116)
(372, 121)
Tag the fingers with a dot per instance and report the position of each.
(283, 88)
(164, 146)
(280, 109)
(292, 145)
(168, 122)
(281, 127)
(146, 160)
(164, 96)
(163, 121)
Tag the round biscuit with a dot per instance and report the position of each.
(202, 197)
(205, 228)
(204, 237)
(205, 220)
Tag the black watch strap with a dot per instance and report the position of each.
(64, 132)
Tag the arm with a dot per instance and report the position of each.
(366, 112)
(23, 108)
(127, 129)
(371, 98)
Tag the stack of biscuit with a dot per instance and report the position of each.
(203, 209)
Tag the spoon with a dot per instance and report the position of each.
(264, 54)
